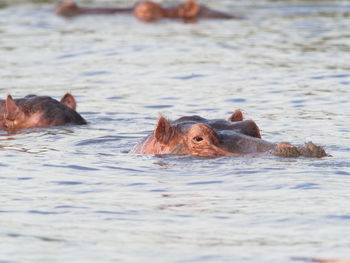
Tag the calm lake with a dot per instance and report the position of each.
(74, 194)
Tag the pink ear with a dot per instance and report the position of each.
(164, 131)
(11, 109)
(69, 101)
(237, 115)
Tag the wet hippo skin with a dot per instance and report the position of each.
(189, 11)
(147, 11)
(196, 136)
(69, 9)
(38, 111)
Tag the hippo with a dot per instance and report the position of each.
(38, 111)
(189, 11)
(147, 11)
(70, 9)
(197, 136)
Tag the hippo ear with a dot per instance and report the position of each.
(69, 101)
(190, 9)
(164, 131)
(237, 115)
(11, 109)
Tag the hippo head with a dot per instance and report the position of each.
(196, 136)
(196, 139)
(190, 9)
(38, 111)
(67, 9)
(148, 11)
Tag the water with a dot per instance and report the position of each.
(74, 194)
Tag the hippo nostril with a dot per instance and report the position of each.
(198, 138)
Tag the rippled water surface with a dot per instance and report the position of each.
(74, 194)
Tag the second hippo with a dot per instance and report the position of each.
(38, 111)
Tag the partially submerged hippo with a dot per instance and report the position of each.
(188, 11)
(38, 111)
(196, 136)
(69, 9)
(147, 11)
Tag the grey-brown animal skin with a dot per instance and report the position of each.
(147, 11)
(241, 137)
(194, 135)
(206, 12)
(51, 111)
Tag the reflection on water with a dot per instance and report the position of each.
(73, 194)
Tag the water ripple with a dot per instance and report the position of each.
(306, 186)
(95, 73)
(103, 139)
(205, 182)
(158, 106)
(67, 182)
(237, 100)
(46, 212)
(187, 77)
(75, 167)
(336, 76)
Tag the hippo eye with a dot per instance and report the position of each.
(198, 138)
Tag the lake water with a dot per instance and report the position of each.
(74, 194)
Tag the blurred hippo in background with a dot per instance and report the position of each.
(38, 111)
(70, 9)
(196, 136)
(190, 11)
(148, 11)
